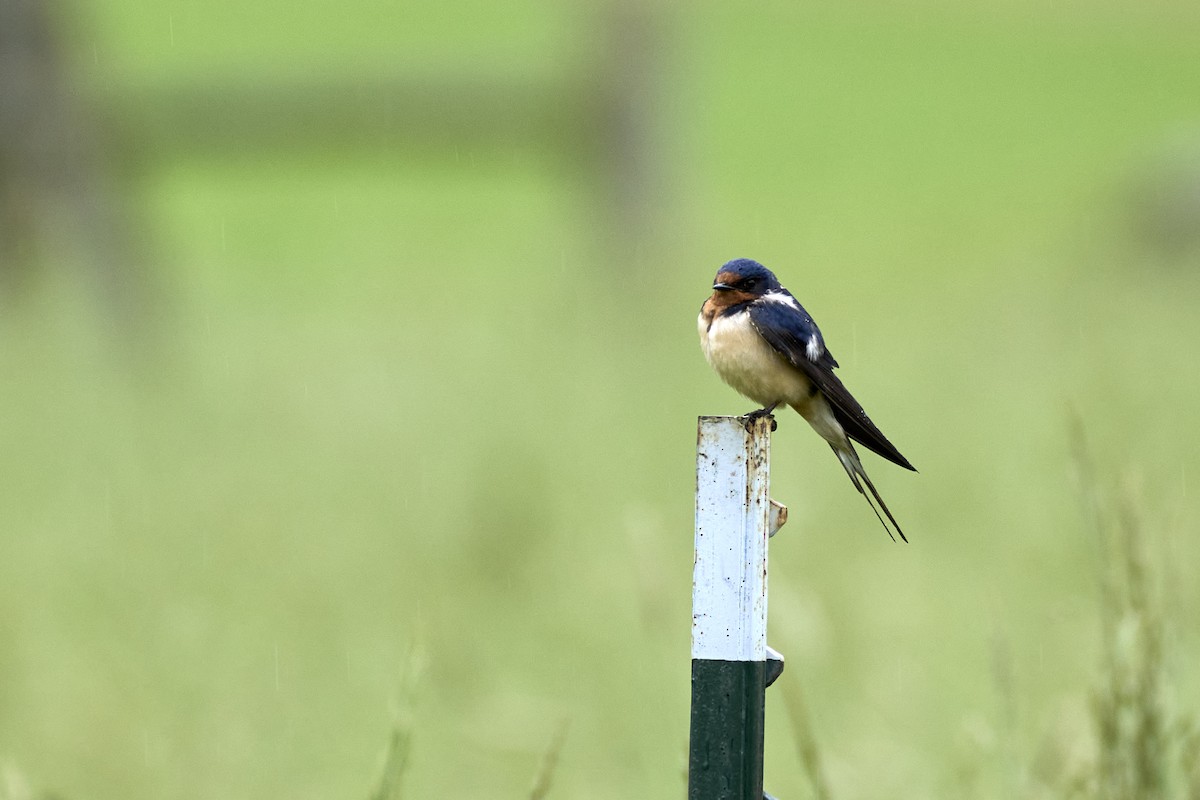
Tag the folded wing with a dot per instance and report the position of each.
(789, 329)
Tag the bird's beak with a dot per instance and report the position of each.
(721, 287)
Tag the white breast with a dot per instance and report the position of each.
(749, 364)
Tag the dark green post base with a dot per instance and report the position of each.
(725, 757)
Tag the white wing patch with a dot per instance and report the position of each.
(813, 349)
(782, 299)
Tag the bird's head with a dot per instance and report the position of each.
(741, 281)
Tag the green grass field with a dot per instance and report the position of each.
(410, 440)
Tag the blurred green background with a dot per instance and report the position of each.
(369, 401)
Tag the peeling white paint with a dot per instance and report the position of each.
(733, 523)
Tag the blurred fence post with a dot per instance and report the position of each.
(59, 201)
(731, 663)
(65, 168)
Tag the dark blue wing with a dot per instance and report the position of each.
(790, 331)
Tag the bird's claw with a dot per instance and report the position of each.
(757, 414)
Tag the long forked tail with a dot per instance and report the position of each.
(854, 468)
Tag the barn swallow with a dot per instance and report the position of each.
(763, 343)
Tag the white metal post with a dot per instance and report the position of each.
(734, 519)
(729, 579)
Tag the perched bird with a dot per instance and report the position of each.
(763, 343)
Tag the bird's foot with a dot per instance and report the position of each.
(758, 414)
